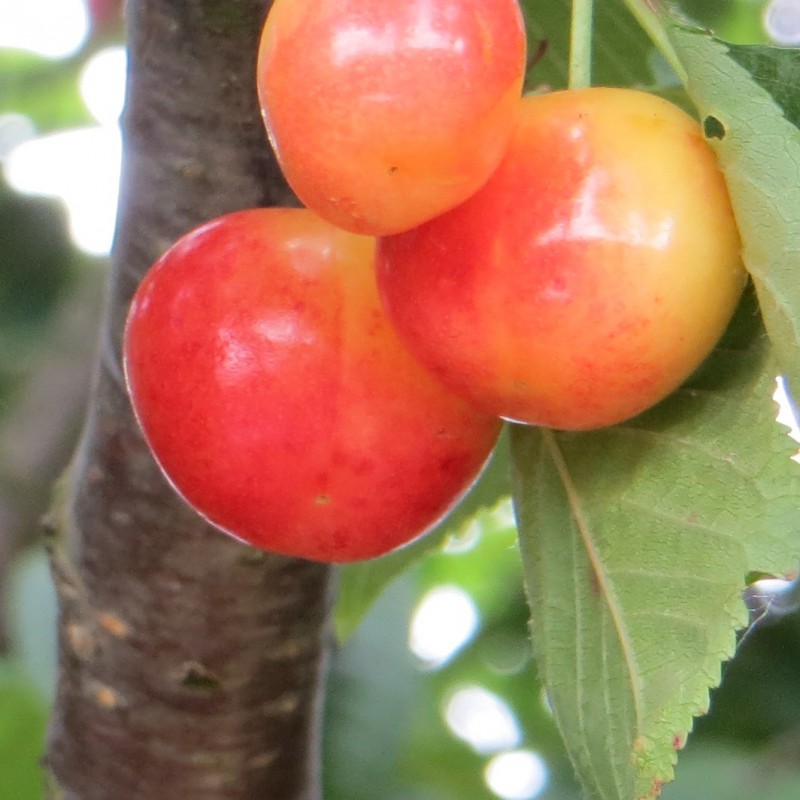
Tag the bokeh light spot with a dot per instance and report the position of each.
(445, 619)
(49, 28)
(782, 22)
(482, 719)
(517, 775)
(102, 84)
(81, 167)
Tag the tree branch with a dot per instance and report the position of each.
(190, 665)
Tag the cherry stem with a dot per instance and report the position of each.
(580, 44)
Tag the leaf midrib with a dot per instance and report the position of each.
(603, 579)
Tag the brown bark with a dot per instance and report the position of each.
(190, 665)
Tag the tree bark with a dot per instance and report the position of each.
(191, 666)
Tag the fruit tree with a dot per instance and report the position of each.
(516, 360)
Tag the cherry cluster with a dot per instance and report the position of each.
(327, 382)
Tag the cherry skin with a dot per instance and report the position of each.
(591, 274)
(279, 401)
(383, 113)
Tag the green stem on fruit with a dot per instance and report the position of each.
(650, 14)
(580, 44)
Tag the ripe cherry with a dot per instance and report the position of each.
(385, 113)
(278, 399)
(587, 278)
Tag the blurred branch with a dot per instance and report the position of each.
(39, 430)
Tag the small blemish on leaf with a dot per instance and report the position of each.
(594, 584)
(713, 128)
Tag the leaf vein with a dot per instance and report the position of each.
(600, 573)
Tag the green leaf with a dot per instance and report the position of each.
(22, 724)
(623, 55)
(34, 269)
(483, 557)
(732, 20)
(636, 541)
(360, 584)
(46, 91)
(751, 92)
(373, 685)
(728, 773)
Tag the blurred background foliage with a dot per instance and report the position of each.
(434, 696)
